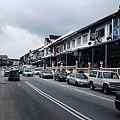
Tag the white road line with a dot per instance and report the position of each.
(82, 91)
(18, 84)
(64, 106)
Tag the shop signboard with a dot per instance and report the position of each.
(115, 28)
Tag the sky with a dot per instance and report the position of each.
(24, 24)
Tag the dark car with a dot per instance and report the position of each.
(60, 75)
(6, 73)
(21, 70)
(14, 75)
(117, 100)
(45, 74)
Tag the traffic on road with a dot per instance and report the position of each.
(37, 98)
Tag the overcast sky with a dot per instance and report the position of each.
(25, 23)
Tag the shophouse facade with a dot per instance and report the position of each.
(97, 43)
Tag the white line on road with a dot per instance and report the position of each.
(82, 91)
(18, 84)
(64, 106)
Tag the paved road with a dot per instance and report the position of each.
(33, 98)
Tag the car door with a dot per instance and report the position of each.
(57, 75)
(99, 80)
(73, 79)
(92, 76)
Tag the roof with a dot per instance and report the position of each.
(103, 71)
(3, 56)
(94, 24)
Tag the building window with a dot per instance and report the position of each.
(78, 41)
(73, 43)
(61, 48)
(84, 39)
(64, 46)
(68, 45)
(100, 32)
(110, 29)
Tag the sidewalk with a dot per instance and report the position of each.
(1, 72)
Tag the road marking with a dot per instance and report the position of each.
(82, 91)
(18, 84)
(59, 103)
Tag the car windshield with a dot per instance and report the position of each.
(81, 76)
(110, 75)
(62, 73)
(37, 69)
(14, 72)
(46, 71)
(28, 71)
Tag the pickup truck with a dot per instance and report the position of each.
(106, 80)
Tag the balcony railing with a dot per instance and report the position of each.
(70, 69)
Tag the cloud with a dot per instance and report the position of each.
(30, 21)
(16, 42)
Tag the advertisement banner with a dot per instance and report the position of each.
(115, 28)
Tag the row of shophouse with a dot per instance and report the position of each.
(96, 43)
(6, 61)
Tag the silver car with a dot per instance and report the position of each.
(27, 72)
(78, 79)
(45, 74)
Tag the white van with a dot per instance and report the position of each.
(107, 80)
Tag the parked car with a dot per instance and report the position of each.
(45, 74)
(36, 71)
(21, 70)
(60, 75)
(78, 79)
(106, 80)
(14, 75)
(117, 100)
(27, 72)
(6, 73)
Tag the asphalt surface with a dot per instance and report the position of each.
(34, 98)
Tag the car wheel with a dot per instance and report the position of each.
(92, 86)
(76, 84)
(105, 89)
